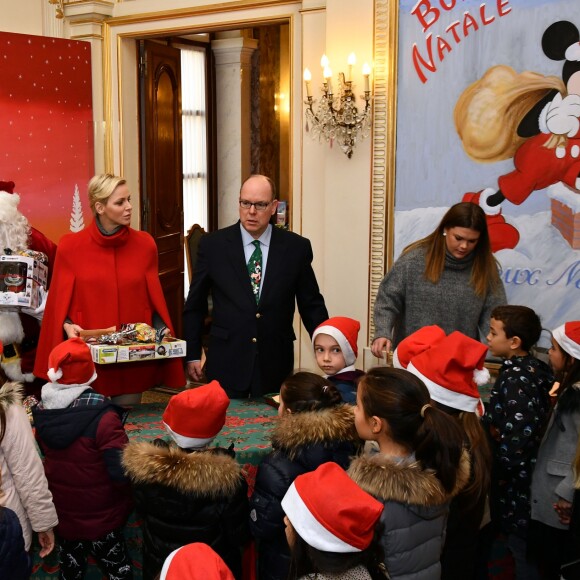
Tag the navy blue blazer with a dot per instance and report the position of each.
(241, 329)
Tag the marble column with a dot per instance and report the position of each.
(233, 61)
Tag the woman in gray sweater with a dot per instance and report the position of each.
(450, 278)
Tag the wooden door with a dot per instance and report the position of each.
(161, 167)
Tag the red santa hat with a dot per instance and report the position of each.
(330, 511)
(421, 340)
(453, 370)
(70, 364)
(7, 186)
(195, 416)
(568, 337)
(195, 562)
(345, 331)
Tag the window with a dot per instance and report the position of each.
(194, 128)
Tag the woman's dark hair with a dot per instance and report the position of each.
(308, 560)
(484, 274)
(403, 401)
(568, 377)
(519, 321)
(306, 391)
(479, 451)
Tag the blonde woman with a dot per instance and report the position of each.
(104, 276)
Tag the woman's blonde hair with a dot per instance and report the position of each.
(101, 187)
(484, 273)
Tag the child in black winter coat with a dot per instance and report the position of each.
(519, 408)
(315, 427)
(186, 491)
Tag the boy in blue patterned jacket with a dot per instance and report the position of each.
(518, 410)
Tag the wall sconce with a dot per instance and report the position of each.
(337, 116)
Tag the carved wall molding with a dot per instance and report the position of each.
(384, 147)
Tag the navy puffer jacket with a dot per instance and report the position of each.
(301, 442)
(14, 560)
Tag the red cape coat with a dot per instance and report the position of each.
(101, 281)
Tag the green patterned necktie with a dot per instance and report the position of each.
(255, 270)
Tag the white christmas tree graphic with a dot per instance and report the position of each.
(77, 222)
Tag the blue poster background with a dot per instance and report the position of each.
(433, 171)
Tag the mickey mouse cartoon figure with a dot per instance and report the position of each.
(531, 118)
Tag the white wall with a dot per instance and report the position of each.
(335, 189)
(24, 16)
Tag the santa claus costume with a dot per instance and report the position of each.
(20, 328)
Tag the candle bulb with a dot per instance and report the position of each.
(327, 76)
(351, 62)
(366, 74)
(324, 61)
(307, 79)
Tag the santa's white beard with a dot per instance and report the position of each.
(14, 227)
(11, 330)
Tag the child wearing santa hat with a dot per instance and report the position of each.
(553, 480)
(188, 491)
(81, 435)
(195, 561)
(315, 427)
(419, 467)
(452, 368)
(330, 527)
(335, 348)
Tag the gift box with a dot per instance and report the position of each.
(21, 278)
(119, 353)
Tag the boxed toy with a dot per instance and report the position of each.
(119, 353)
(21, 278)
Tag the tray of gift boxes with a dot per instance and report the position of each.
(22, 275)
(131, 343)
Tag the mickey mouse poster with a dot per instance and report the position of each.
(488, 111)
(531, 118)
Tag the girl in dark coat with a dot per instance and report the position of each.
(452, 368)
(187, 492)
(315, 427)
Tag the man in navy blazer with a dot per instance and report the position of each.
(251, 348)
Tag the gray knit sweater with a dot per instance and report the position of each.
(406, 301)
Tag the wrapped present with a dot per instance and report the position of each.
(138, 351)
(22, 275)
(133, 342)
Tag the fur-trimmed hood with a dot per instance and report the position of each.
(11, 393)
(307, 428)
(406, 483)
(205, 473)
